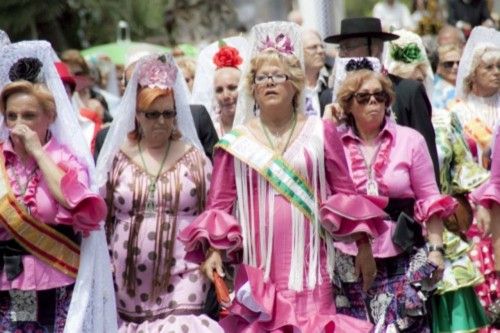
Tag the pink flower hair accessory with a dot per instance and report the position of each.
(282, 43)
(158, 72)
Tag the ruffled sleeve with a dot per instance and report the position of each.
(428, 200)
(86, 209)
(345, 212)
(216, 227)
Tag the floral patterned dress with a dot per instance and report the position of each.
(456, 307)
(442, 93)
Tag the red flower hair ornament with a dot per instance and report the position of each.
(227, 56)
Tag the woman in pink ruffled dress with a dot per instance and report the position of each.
(45, 197)
(276, 177)
(390, 160)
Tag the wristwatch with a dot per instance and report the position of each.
(433, 247)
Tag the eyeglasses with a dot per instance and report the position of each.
(364, 97)
(275, 78)
(449, 64)
(155, 115)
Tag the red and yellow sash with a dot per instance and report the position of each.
(38, 238)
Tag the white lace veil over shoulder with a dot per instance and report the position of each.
(203, 85)
(479, 39)
(146, 74)
(342, 67)
(286, 38)
(405, 42)
(92, 306)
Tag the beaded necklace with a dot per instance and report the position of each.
(150, 202)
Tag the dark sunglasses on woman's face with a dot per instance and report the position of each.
(449, 64)
(364, 97)
(154, 115)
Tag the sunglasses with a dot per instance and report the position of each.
(449, 64)
(364, 97)
(154, 115)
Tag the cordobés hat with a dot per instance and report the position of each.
(361, 27)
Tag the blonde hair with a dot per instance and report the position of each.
(482, 54)
(289, 63)
(352, 83)
(445, 49)
(187, 64)
(406, 70)
(37, 90)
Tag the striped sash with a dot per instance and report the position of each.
(273, 168)
(38, 238)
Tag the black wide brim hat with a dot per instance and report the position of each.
(369, 27)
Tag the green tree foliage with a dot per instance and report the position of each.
(22, 16)
(80, 23)
(99, 18)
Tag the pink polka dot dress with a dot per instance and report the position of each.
(156, 289)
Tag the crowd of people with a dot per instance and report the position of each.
(256, 188)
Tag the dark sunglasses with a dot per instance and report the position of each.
(364, 97)
(154, 115)
(449, 64)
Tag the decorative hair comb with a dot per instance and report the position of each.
(282, 43)
(407, 54)
(356, 65)
(158, 72)
(29, 69)
(227, 56)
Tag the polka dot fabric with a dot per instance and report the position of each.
(178, 307)
(482, 256)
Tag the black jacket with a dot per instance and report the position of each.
(202, 122)
(412, 108)
(474, 13)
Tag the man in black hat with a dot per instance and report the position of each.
(363, 37)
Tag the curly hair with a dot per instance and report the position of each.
(352, 83)
(289, 63)
(481, 55)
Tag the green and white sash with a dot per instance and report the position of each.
(284, 179)
(256, 202)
